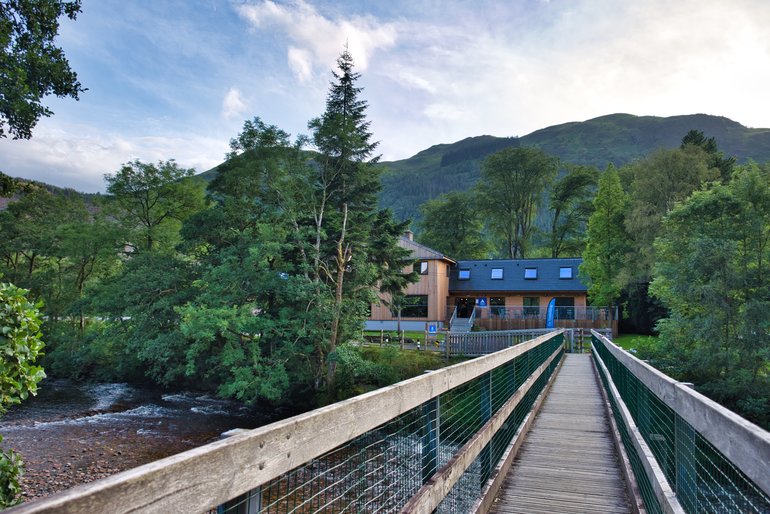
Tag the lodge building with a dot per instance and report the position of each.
(493, 294)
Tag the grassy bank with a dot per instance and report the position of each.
(631, 342)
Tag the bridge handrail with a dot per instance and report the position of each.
(489, 341)
(216, 473)
(745, 445)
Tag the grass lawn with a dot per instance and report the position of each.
(629, 341)
(408, 334)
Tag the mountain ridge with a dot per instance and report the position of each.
(618, 138)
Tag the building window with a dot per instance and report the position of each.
(497, 306)
(565, 272)
(413, 306)
(497, 274)
(421, 267)
(464, 274)
(530, 273)
(565, 308)
(531, 306)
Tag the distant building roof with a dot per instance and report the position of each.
(543, 275)
(421, 251)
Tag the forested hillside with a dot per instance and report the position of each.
(616, 138)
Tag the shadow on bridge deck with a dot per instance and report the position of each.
(568, 462)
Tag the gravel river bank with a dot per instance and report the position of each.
(72, 434)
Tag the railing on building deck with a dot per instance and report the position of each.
(429, 443)
(688, 453)
(473, 344)
(521, 318)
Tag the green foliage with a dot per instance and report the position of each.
(355, 244)
(712, 274)
(725, 165)
(363, 368)
(607, 245)
(659, 181)
(509, 192)
(31, 65)
(93, 353)
(56, 247)
(11, 469)
(452, 224)
(154, 201)
(289, 255)
(143, 332)
(20, 346)
(635, 341)
(570, 206)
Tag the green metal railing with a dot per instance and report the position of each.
(703, 478)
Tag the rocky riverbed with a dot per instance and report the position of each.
(73, 434)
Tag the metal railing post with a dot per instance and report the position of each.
(429, 448)
(486, 414)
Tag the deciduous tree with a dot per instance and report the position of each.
(452, 224)
(155, 200)
(570, 206)
(712, 273)
(31, 65)
(510, 190)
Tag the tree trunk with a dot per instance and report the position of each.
(343, 254)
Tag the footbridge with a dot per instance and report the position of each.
(531, 428)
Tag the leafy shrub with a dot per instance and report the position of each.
(20, 345)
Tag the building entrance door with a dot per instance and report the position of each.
(465, 307)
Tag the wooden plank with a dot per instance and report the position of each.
(497, 478)
(568, 462)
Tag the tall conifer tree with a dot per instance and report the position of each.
(360, 249)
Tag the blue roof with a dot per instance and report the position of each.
(547, 273)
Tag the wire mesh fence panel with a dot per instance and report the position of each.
(383, 468)
(646, 490)
(468, 489)
(705, 480)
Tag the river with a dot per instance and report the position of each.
(73, 433)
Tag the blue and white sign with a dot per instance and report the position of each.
(432, 328)
(481, 302)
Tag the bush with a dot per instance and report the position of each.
(20, 345)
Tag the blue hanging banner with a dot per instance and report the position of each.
(550, 314)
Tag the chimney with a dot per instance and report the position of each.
(409, 235)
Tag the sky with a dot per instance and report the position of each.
(175, 79)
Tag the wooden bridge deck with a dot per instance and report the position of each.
(568, 462)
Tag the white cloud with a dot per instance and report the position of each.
(78, 157)
(570, 62)
(233, 105)
(317, 40)
(300, 62)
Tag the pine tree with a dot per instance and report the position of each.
(360, 248)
